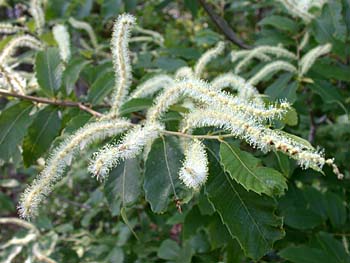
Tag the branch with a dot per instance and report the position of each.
(62, 103)
(222, 25)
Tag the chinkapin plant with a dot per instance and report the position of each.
(218, 142)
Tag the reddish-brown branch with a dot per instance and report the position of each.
(61, 103)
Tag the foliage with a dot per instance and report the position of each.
(250, 197)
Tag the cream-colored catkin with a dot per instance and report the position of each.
(129, 147)
(17, 42)
(62, 157)
(237, 83)
(256, 135)
(37, 13)
(151, 86)
(309, 58)
(121, 60)
(278, 52)
(271, 68)
(11, 80)
(183, 73)
(194, 170)
(202, 92)
(87, 28)
(207, 57)
(62, 38)
(7, 28)
(295, 9)
(236, 55)
(155, 36)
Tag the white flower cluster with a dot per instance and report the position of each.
(206, 58)
(62, 157)
(12, 80)
(62, 38)
(300, 8)
(121, 60)
(309, 58)
(244, 116)
(17, 42)
(130, 146)
(262, 53)
(268, 53)
(194, 171)
(37, 13)
(256, 134)
(271, 68)
(87, 28)
(7, 28)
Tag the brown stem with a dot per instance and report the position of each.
(222, 25)
(62, 103)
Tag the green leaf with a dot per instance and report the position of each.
(336, 210)
(72, 72)
(161, 172)
(123, 185)
(248, 171)
(328, 26)
(322, 249)
(14, 122)
(300, 209)
(280, 22)
(291, 117)
(110, 8)
(44, 128)
(6, 204)
(249, 217)
(169, 250)
(169, 64)
(48, 69)
(135, 105)
(102, 86)
(282, 89)
(327, 92)
(331, 69)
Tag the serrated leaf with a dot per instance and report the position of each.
(123, 185)
(48, 69)
(71, 73)
(161, 172)
(249, 217)
(14, 122)
(44, 128)
(248, 171)
(102, 86)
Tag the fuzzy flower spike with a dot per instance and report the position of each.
(194, 171)
(61, 158)
(121, 60)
